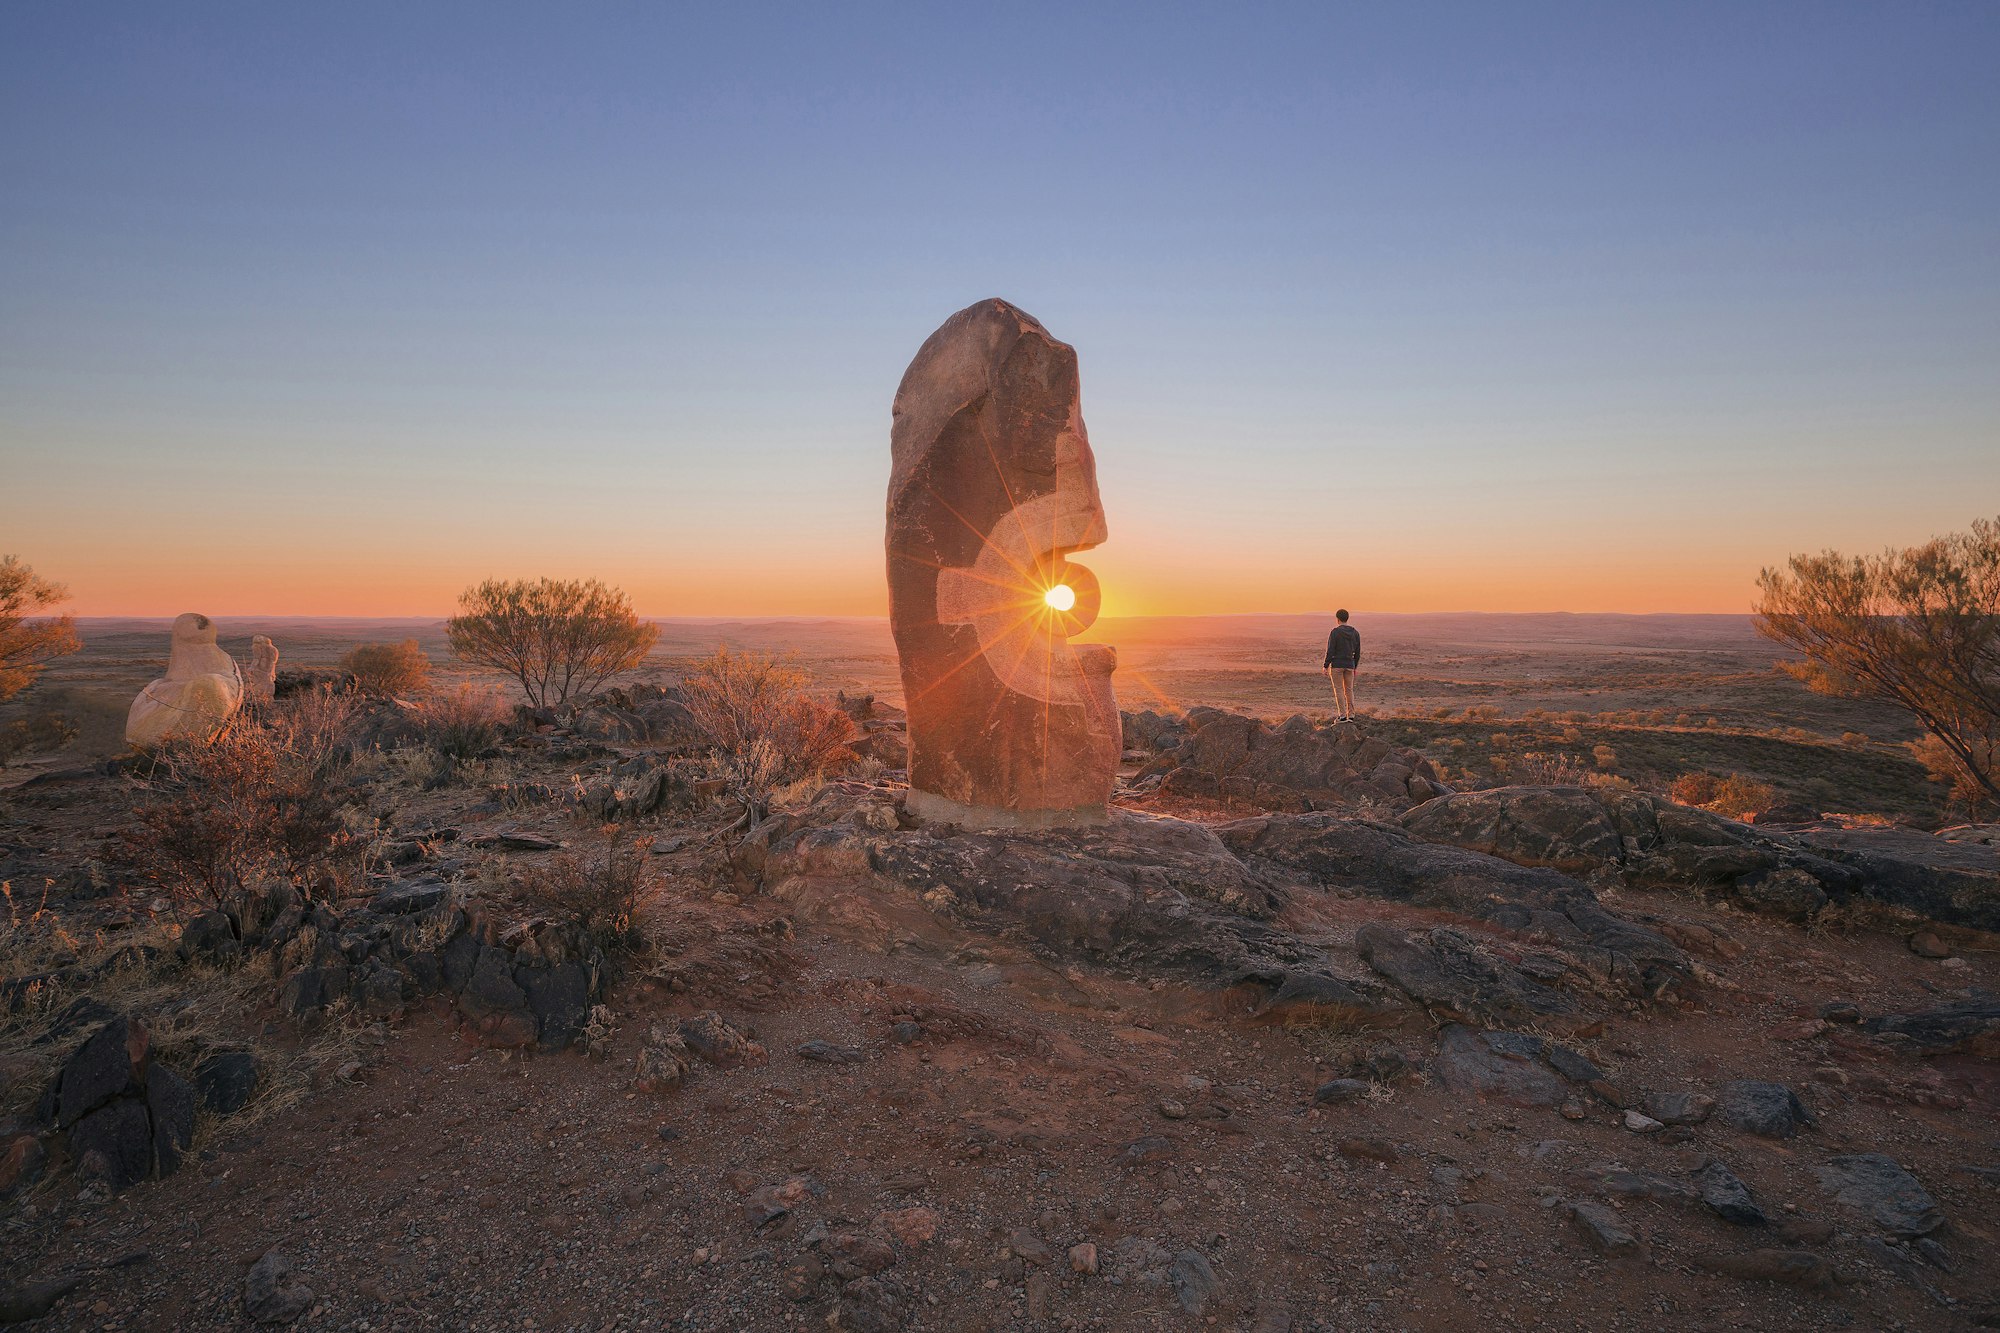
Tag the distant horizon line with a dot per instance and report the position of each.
(780, 618)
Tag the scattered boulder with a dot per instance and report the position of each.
(1728, 1197)
(227, 1080)
(1771, 1110)
(272, 1291)
(1600, 1226)
(718, 1043)
(114, 1144)
(663, 1061)
(1470, 1065)
(1679, 1108)
(1335, 1092)
(1875, 1186)
(110, 1062)
(22, 1159)
(170, 1105)
(826, 1052)
(1972, 1027)
(1194, 1281)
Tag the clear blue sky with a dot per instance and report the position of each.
(1496, 306)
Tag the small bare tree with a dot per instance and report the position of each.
(560, 639)
(1919, 628)
(26, 645)
(768, 731)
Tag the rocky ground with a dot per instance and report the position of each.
(1223, 1064)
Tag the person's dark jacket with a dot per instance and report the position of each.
(1343, 648)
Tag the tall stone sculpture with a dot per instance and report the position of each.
(993, 487)
(201, 689)
(260, 682)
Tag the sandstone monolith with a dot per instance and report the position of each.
(260, 682)
(202, 687)
(993, 487)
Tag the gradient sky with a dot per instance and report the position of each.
(335, 309)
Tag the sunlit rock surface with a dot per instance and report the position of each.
(993, 488)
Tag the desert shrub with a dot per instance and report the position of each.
(558, 639)
(767, 730)
(1945, 768)
(258, 800)
(461, 724)
(597, 888)
(1919, 628)
(1738, 795)
(1548, 770)
(37, 734)
(27, 645)
(1855, 740)
(388, 668)
(1696, 789)
(1482, 713)
(1605, 757)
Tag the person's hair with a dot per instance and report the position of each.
(1341, 616)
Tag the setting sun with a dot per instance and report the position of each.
(1062, 597)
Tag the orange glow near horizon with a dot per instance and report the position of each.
(404, 562)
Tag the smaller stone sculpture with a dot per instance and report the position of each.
(202, 687)
(260, 682)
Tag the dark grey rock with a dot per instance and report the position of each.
(1644, 1185)
(1768, 1109)
(1727, 1196)
(211, 935)
(1467, 1065)
(1447, 972)
(272, 1291)
(559, 998)
(1194, 1280)
(415, 895)
(114, 1143)
(108, 1063)
(227, 1080)
(1874, 1185)
(1973, 1026)
(1573, 1065)
(459, 959)
(1784, 891)
(1600, 1226)
(1340, 1090)
(1679, 1108)
(170, 1102)
(309, 990)
(826, 1052)
(1520, 1044)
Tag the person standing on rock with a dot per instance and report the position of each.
(1343, 657)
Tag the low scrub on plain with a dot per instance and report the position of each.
(395, 669)
(597, 887)
(768, 730)
(462, 724)
(260, 799)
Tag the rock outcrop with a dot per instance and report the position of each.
(1296, 765)
(1646, 841)
(992, 489)
(1179, 900)
(201, 689)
